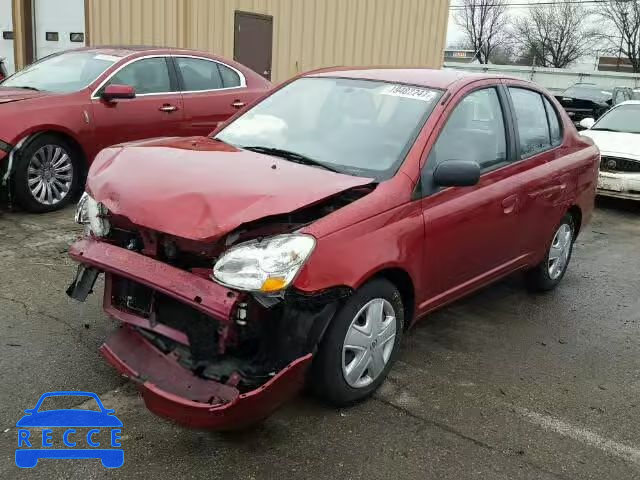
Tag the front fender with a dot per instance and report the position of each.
(353, 255)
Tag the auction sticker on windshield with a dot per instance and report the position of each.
(84, 432)
(407, 91)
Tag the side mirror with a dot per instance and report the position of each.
(118, 92)
(457, 173)
(587, 123)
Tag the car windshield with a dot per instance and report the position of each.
(62, 73)
(590, 92)
(625, 118)
(358, 127)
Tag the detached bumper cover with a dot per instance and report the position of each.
(173, 392)
(170, 390)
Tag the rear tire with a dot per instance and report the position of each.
(549, 272)
(348, 369)
(47, 174)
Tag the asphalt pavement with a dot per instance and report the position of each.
(501, 385)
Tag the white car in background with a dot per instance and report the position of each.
(617, 134)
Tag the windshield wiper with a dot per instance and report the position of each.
(27, 88)
(605, 129)
(291, 156)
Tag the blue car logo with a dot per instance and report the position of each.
(83, 433)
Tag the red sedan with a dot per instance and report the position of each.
(301, 240)
(58, 113)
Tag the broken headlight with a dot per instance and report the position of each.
(92, 215)
(269, 265)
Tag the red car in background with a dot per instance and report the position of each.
(300, 240)
(58, 113)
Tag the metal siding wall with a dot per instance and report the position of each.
(307, 34)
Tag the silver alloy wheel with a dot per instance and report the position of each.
(369, 343)
(50, 174)
(559, 251)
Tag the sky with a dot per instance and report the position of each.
(455, 34)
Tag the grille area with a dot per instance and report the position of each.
(616, 164)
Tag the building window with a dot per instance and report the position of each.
(77, 37)
(51, 36)
(7, 35)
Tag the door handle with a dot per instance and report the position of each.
(168, 108)
(238, 104)
(509, 203)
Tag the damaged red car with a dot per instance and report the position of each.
(299, 241)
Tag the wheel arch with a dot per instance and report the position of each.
(576, 214)
(401, 279)
(61, 133)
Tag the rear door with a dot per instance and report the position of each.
(547, 179)
(156, 111)
(472, 232)
(211, 91)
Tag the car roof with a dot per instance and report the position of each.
(138, 50)
(424, 77)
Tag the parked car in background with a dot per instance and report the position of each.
(621, 94)
(617, 134)
(585, 100)
(301, 239)
(58, 113)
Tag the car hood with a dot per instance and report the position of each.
(616, 143)
(69, 418)
(200, 189)
(10, 94)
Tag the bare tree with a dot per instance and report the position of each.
(556, 34)
(485, 25)
(621, 35)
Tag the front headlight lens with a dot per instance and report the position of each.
(266, 266)
(92, 215)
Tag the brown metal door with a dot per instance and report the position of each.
(252, 42)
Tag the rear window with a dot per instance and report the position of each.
(533, 126)
(229, 77)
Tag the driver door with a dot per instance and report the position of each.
(156, 111)
(471, 232)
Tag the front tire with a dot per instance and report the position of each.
(549, 273)
(47, 174)
(360, 345)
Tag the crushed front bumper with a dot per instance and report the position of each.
(170, 390)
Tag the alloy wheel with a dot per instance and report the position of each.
(50, 174)
(559, 251)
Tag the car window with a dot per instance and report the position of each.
(554, 124)
(149, 75)
(199, 74)
(229, 77)
(63, 73)
(359, 127)
(624, 118)
(474, 131)
(533, 127)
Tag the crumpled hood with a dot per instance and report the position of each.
(200, 189)
(9, 94)
(616, 144)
